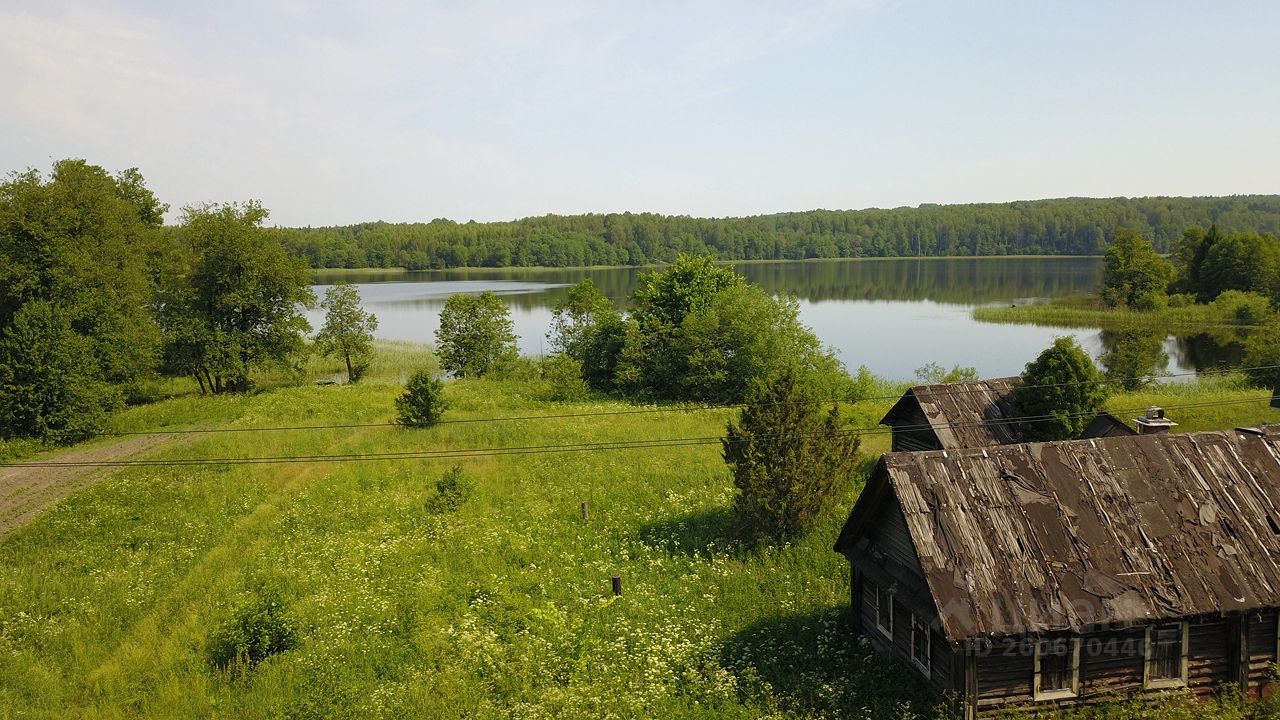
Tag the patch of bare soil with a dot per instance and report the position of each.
(40, 483)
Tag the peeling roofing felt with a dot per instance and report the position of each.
(1043, 537)
(968, 414)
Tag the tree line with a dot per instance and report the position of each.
(1070, 226)
(98, 296)
(1205, 266)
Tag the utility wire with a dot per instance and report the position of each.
(573, 447)
(635, 411)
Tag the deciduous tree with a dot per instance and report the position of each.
(238, 307)
(1133, 273)
(348, 330)
(475, 335)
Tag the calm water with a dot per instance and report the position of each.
(891, 315)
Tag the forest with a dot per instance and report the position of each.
(1070, 226)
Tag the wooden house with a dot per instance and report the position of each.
(1070, 572)
(971, 414)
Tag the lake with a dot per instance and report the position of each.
(892, 315)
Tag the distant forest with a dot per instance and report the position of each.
(1071, 226)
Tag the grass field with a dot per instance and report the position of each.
(501, 608)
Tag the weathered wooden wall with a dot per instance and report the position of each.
(1111, 664)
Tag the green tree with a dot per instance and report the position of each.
(650, 363)
(742, 333)
(348, 330)
(789, 457)
(578, 317)
(238, 307)
(82, 240)
(1133, 273)
(1186, 259)
(75, 247)
(1062, 390)
(423, 402)
(1195, 270)
(475, 335)
(1247, 262)
(48, 385)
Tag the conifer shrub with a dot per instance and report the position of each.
(789, 454)
(423, 402)
(453, 490)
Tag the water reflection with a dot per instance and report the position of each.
(1130, 357)
(891, 315)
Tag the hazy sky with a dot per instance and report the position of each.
(344, 112)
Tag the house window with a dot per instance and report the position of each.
(884, 610)
(1057, 668)
(1166, 655)
(920, 643)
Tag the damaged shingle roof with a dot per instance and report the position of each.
(1042, 537)
(966, 414)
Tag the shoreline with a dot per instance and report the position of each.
(554, 268)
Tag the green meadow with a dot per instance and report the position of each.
(500, 608)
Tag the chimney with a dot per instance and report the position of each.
(1154, 422)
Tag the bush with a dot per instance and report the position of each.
(563, 375)
(423, 402)
(1180, 300)
(788, 458)
(453, 490)
(1246, 308)
(258, 630)
(519, 369)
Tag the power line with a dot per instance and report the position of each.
(631, 411)
(564, 448)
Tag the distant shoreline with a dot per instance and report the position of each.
(554, 268)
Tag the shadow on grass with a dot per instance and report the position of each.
(815, 663)
(699, 534)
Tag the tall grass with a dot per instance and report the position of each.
(500, 608)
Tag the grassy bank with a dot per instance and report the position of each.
(1231, 314)
(499, 609)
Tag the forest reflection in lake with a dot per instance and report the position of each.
(892, 315)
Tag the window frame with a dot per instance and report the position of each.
(918, 625)
(1061, 693)
(886, 631)
(1150, 683)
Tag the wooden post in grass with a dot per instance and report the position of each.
(617, 586)
(585, 514)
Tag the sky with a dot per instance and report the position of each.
(336, 113)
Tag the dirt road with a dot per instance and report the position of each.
(26, 491)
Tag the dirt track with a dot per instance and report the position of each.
(25, 491)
